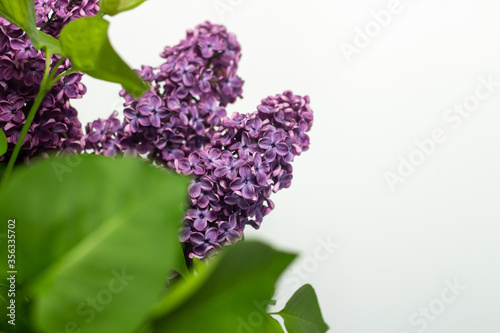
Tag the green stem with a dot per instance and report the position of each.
(56, 67)
(34, 108)
(49, 21)
(45, 87)
(60, 76)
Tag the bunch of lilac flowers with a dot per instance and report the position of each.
(181, 123)
(236, 162)
(186, 104)
(56, 126)
(234, 175)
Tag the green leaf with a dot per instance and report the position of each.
(22, 13)
(198, 265)
(302, 313)
(39, 39)
(18, 12)
(45, 42)
(95, 238)
(3, 166)
(181, 266)
(22, 308)
(113, 7)
(3, 143)
(85, 41)
(231, 294)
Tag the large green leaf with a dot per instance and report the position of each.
(113, 7)
(22, 13)
(3, 143)
(231, 294)
(96, 239)
(85, 41)
(302, 313)
(22, 308)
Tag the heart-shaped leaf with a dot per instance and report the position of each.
(113, 7)
(231, 294)
(85, 41)
(302, 313)
(95, 239)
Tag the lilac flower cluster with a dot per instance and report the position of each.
(236, 162)
(56, 126)
(248, 158)
(186, 104)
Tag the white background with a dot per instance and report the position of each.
(395, 248)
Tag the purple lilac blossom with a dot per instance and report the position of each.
(55, 126)
(236, 162)
(187, 94)
(242, 182)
